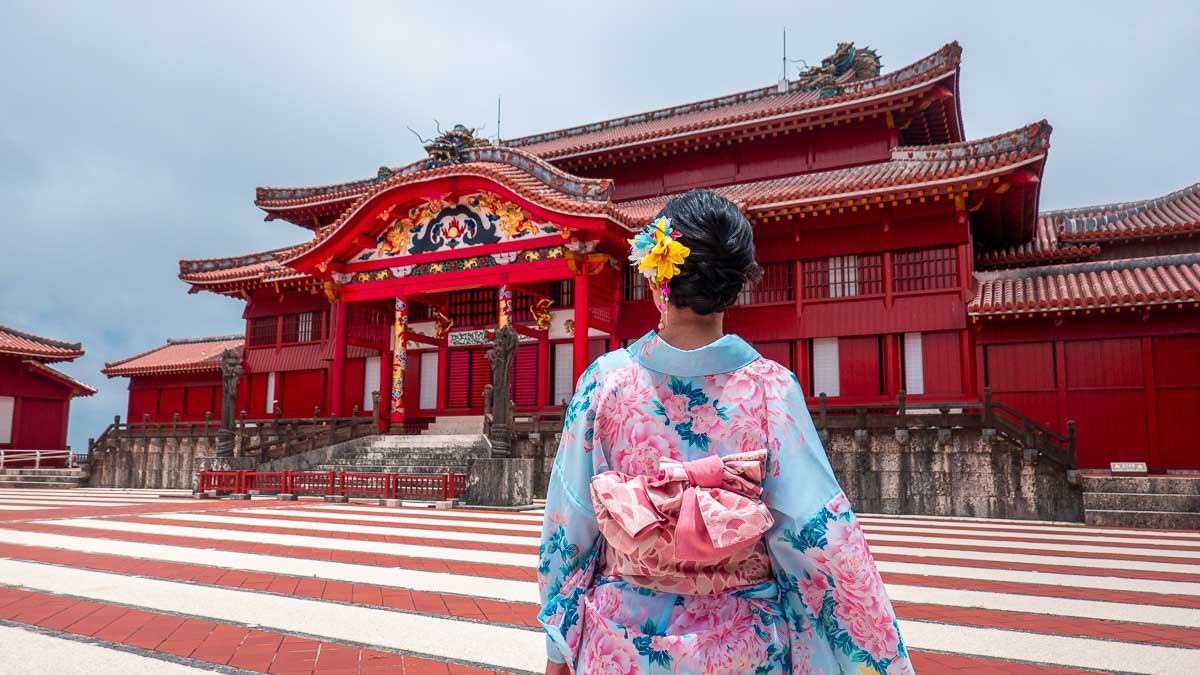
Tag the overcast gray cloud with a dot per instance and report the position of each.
(133, 134)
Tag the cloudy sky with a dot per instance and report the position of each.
(133, 134)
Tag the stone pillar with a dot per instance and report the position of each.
(399, 360)
(501, 355)
(231, 372)
(500, 481)
(581, 323)
(338, 386)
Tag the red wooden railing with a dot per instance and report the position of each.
(345, 483)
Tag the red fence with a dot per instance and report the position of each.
(345, 483)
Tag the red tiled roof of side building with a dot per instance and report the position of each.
(1044, 248)
(77, 388)
(183, 355)
(734, 109)
(1138, 282)
(911, 167)
(47, 350)
(1174, 213)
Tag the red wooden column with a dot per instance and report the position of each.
(399, 359)
(581, 322)
(543, 370)
(338, 386)
(443, 374)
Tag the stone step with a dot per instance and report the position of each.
(1139, 501)
(1188, 484)
(29, 471)
(1163, 520)
(10, 483)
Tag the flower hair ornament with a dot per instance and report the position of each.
(658, 254)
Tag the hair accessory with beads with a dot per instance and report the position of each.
(658, 253)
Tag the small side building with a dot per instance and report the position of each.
(181, 377)
(35, 399)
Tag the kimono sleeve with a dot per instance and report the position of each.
(570, 534)
(840, 617)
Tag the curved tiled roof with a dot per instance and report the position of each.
(1173, 213)
(20, 343)
(1092, 285)
(77, 388)
(527, 175)
(740, 108)
(262, 266)
(910, 167)
(183, 355)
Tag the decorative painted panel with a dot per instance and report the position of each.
(456, 265)
(399, 357)
(443, 224)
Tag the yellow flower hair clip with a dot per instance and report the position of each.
(658, 253)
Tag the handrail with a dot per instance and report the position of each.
(310, 434)
(13, 456)
(437, 486)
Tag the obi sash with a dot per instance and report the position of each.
(695, 518)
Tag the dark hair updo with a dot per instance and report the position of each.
(722, 251)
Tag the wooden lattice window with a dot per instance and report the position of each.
(474, 308)
(843, 276)
(775, 286)
(263, 331)
(420, 311)
(563, 293)
(636, 287)
(926, 269)
(303, 327)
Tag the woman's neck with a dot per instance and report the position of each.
(686, 330)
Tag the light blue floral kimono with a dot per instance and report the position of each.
(805, 597)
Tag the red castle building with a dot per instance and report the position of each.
(35, 399)
(898, 255)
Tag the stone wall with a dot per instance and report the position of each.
(146, 461)
(960, 472)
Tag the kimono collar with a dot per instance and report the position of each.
(726, 354)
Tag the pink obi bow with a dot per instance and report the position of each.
(710, 507)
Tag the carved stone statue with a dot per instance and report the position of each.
(231, 373)
(501, 355)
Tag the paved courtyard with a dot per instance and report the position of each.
(100, 581)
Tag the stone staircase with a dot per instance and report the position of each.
(41, 478)
(455, 424)
(1160, 501)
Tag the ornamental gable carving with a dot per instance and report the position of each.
(451, 224)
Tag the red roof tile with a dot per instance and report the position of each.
(262, 267)
(735, 109)
(1177, 212)
(910, 167)
(1138, 282)
(1044, 248)
(20, 343)
(77, 388)
(186, 355)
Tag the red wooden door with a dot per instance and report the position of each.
(1022, 376)
(858, 364)
(458, 368)
(1177, 399)
(1106, 397)
(524, 378)
(779, 351)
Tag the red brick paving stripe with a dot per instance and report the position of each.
(149, 507)
(1003, 536)
(930, 663)
(208, 641)
(453, 606)
(1045, 590)
(334, 555)
(431, 514)
(1032, 526)
(532, 549)
(525, 614)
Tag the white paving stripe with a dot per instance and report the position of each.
(992, 536)
(400, 520)
(437, 553)
(1069, 561)
(1059, 650)
(27, 652)
(55, 504)
(1040, 546)
(394, 577)
(440, 513)
(317, 526)
(526, 591)
(1037, 525)
(529, 561)
(14, 507)
(496, 646)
